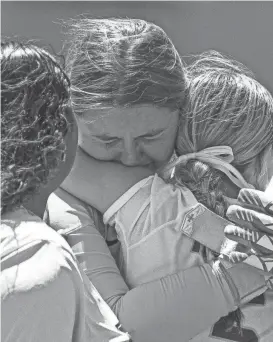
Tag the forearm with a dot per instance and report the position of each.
(170, 306)
(177, 306)
(156, 311)
(101, 183)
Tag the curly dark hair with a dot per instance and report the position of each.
(35, 94)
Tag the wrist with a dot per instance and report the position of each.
(244, 281)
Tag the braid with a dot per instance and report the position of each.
(206, 184)
(225, 105)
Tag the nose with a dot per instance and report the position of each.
(130, 153)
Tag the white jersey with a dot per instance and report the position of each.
(151, 219)
(45, 295)
(154, 222)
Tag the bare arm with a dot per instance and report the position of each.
(101, 183)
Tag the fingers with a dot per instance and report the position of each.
(256, 254)
(242, 236)
(250, 219)
(234, 257)
(256, 200)
(260, 243)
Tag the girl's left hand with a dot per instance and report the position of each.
(253, 217)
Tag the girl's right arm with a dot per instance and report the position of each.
(180, 306)
(176, 307)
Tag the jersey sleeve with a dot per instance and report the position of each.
(69, 215)
(176, 307)
(41, 289)
(42, 314)
(45, 294)
(154, 311)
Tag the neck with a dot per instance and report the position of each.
(37, 205)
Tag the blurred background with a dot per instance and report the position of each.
(243, 30)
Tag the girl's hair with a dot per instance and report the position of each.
(34, 98)
(225, 106)
(122, 62)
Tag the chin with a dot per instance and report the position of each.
(150, 166)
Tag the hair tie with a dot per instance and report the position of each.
(218, 157)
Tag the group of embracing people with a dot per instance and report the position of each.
(135, 186)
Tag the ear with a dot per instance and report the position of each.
(267, 169)
(260, 170)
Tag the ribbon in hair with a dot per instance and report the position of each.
(218, 157)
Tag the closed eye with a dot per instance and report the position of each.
(153, 135)
(106, 140)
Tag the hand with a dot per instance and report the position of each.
(253, 233)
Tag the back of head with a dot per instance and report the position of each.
(34, 97)
(227, 106)
(122, 62)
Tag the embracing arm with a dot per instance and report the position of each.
(180, 306)
(101, 183)
(176, 307)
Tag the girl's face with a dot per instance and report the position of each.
(136, 136)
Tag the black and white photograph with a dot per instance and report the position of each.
(136, 171)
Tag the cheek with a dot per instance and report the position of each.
(93, 147)
(270, 169)
(270, 174)
(71, 148)
(266, 173)
(161, 150)
(99, 151)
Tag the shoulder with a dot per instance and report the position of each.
(38, 306)
(66, 213)
(40, 282)
(33, 255)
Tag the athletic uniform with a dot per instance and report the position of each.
(45, 296)
(151, 219)
(165, 309)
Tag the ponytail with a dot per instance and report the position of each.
(206, 184)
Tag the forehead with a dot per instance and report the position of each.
(137, 121)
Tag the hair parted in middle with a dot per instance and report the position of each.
(122, 62)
